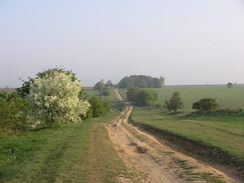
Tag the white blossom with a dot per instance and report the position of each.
(54, 99)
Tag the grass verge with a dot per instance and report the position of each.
(61, 155)
(218, 141)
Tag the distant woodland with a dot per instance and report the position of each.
(141, 81)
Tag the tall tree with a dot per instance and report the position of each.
(100, 85)
(230, 85)
(109, 84)
(174, 103)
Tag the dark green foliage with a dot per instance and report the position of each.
(174, 103)
(142, 97)
(223, 115)
(141, 82)
(99, 85)
(147, 98)
(109, 84)
(132, 94)
(98, 107)
(13, 113)
(25, 89)
(230, 85)
(205, 105)
(126, 82)
(105, 92)
(159, 106)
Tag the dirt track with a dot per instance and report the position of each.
(154, 162)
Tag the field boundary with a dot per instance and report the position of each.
(125, 100)
(196, 148)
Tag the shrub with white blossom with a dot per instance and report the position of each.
(54, 99)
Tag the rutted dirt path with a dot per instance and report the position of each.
(153, 161)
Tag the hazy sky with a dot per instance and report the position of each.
(186, 41)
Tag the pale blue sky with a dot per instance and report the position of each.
(186, 41)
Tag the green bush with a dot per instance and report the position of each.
(99, 85)
(13, 113)
(98, 108)
(174, 103)
(142, 97)
(230, 85)
(105, 92)
(205, 105)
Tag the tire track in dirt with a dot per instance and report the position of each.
(156, 162)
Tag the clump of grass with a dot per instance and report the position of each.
(141, 149)
(190, 175)
(135, 133)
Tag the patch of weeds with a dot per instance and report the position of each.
(189, 175)
(135, 133)
(141, 149)
(183, 164)
(209, 177)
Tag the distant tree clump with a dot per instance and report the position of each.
(99, 85)
(142, 97)
(13, 113)
(103, 88)
(205, 105)
(174, 103)
(105, 92)
(141, 81)
(230, 85)
(109, 84)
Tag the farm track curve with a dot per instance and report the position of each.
(152, 161)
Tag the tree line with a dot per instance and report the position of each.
(140, 81)
(147, 97)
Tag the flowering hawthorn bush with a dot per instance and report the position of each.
(54, 99)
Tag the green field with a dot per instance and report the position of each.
(222, 130)
(70, 153)
(226, 135)
(226, 97)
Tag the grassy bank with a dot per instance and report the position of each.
(223, 129)
(61, 155)
(219, 134)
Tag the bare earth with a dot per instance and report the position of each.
(153, 162)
